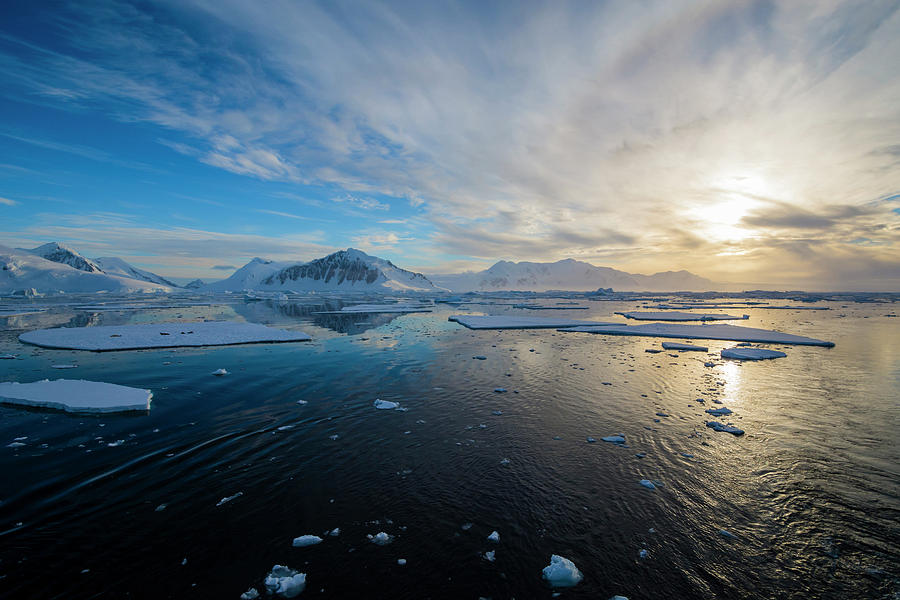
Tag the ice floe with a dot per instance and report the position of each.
(689, 347)
(715, 331)
(490, 555)
(716, 426)
(285, 582)
(73, 395)
(680, 316)
(159, 335)
(401, 561)
(494, 537)
(228, 499)
(561, 572)
(385, 404)
(220, 372)
(306, 540)
(647, 484)
(751, 353)
(511, 322)
(250, 594)
(616, 438)
(719, 412)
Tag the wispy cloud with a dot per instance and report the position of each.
(7, 201)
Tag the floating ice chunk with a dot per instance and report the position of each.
(466, 526)
(301, 402)
(76, 396)
(494, 537)
(499, 390)
(504, 461)
(480, 357)
(661, 414)
(716, 331)
(333, 437)
(159, 335)
(644, 553)
(401, 561)
(619, 598)
(727, 534)
(716, 426)
(220, 372)
(680, 316)
(285, 427)
(647, 484)
(496, 413)
(335, 532)
(306, 540)
(616, 438)
(719, 412)
(385, 404)
(505, 322)
(63, 366)
(709, 364)
(751, 353)
(250, 594)
(161, 507)
(285, 582)
(490, 555)
(227, 499)
(590, 440)
(7, 356)
(561, 572)
(686, 347)
(15, 445)
(381, 539)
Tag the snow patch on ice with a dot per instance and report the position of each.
(76, 396)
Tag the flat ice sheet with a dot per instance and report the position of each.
(78, 396)
(718, 331)
(751, 353)
(679, 316)
(687, 347)
(512, 322)
(159, 335)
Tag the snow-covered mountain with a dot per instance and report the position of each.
(64, 255)
(112, 265)
(23, 270)
(194, 285)
(569, 274)
(346, 270)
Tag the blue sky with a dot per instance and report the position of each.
(744, 141)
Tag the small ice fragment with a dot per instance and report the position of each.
(619, 598)
(590, 440)
(83, 571)
(15, 445)
(386, 404)
(504, 461)
(381, 538)
(727, 534)
(687, 455)
(306, 540)
(644, 553)
(161, 508)
(220, 372)
(183, 561)
(709, 364)
(561, 572)
(490, 555)
(497, 413)
(250, 594)
(482, 426)
(301, 402)
(500, 390)
(285, 427)
(480, 357)
(285, 582)
(335, 532)
(647, 484)
(229, 498)
(641, 454)
(64, 366)
(20, 439)
(494, 537)
(616, 438)
(719, 412)
(333, 437)
(716, 426)
(401, 561)
(661, 414)
(751, 353)
(466, 526)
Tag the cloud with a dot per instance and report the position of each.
(654, 135)
(7, 201)
(223, 268)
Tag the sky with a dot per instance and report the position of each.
(745, 141)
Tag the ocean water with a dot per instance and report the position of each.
(128, 506)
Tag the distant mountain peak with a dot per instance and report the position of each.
(56, 252)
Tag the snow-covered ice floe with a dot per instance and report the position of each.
(751, 353)
(306, 540)
(511, 322)
(159, 335)
(680, 316)
(561, 572)
(78, 396)
(717, 426)
(688, 347)
(385, 404)
(717, 331)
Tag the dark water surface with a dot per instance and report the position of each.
(811, 493)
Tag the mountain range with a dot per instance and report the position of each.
(54, 268)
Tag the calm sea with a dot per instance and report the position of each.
(805, 505)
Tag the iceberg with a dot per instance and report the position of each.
(717, 331)
(751, 353)
(511, 322)
(680, 316)
(561, 572)
(76, 396)
(381, 538)
(159, 335)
